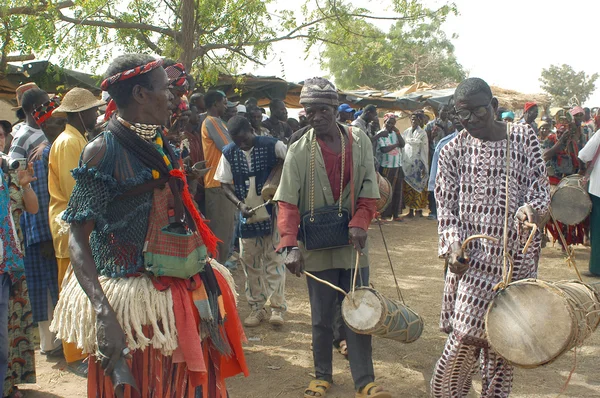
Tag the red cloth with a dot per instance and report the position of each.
(196, 153)
(333, 166)
(529, 105)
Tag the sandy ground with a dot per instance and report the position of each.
(280, 361)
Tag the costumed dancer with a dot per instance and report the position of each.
(471, 203)
(329, 166)
(132, 219)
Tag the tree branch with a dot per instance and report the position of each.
(19, 58)
(34, 10)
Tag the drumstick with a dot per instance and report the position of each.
(268, 202)
(534, 229)
(326, 283)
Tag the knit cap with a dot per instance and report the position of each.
(319, 90)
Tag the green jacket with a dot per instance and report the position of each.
(294, 189)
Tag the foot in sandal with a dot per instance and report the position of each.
(372, 390)
(317, 388)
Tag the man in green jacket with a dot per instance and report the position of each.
(328, 145)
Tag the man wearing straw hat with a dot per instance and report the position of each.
(329, 163)
(81, 108)
(472, 191)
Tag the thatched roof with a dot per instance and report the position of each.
(515, 100)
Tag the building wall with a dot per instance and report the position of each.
(6, 113)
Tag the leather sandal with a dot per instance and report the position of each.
(318, 388)
(372, 390)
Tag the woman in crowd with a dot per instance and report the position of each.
(415, 166)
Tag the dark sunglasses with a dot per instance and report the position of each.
(466, 114)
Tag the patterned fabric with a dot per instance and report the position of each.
(25, 141)
(120, 225)
(471, 199)
(41, 271)
(12, 256)
(21, 349)
(453, 374)
(392, 159)
(564, 163)
(44, 111)
(263, 159)
(414, 199)
(177, 76)
(214, 138)
(415, 158)
(36, 226)
(318, 90)
(128, 74)
(17, 207)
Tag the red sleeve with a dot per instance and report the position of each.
(365, 211)
(288, 220)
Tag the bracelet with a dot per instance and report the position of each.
(238, 204)
(27, 188)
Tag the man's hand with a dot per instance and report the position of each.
(247, 212)
(358, 238)
(383, 134)
(457, 263)
(294, 261)
(111, 340)
(527, 214)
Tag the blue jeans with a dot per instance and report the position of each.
(4, 295)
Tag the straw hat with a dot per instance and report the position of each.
(19, 93)
(78, 100)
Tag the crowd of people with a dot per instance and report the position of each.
(122, 227)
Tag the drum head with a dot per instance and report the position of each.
(529, 324)
(362, 310)
(570, 204)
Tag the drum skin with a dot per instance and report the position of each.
(532, 322)
(385, 193)
(366, 311)
(571, 203)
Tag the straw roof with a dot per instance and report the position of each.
(515, 100)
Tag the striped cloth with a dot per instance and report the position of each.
(36, 226)
(25, 141)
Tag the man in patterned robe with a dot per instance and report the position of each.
(472, 199)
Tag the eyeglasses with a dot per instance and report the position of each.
(466, 114)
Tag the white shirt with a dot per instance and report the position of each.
(224, 174)
(587, 155)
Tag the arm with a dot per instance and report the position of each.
(588, 152)
(30, 200)
(447, 191)
(288, 198)
(538, 190)
(389, 148)
(561, 143)
(17, 151)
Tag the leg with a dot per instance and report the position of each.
(595, 235)
(454, 370)
(274, 273)
(360, 351)
(322, 302)
(221, 212)
(48, 341)
(339, 327)
(4, 343)
(398, 195)
(432, 206)
(252, 262)
(497, 375)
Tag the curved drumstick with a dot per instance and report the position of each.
(534, 229)
(473, 237)
(326, 283)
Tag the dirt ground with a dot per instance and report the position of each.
(280, 361)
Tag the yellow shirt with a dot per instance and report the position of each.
(64, 157)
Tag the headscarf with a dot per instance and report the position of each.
(318, 90)
(529, 105)
(509, 114)
(388, 116)
(44, 111)
(576, 110)
(177, 76)
(128, 74)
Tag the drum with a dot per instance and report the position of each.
(272, 183)
(571, 203)
(366, 311)
(385, 193)
(532, 322)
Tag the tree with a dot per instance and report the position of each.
(208, 36)
(408, 53)
(564, 84)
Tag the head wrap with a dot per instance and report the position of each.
(44, 111)
(576, 110)
(319, 91)
(543, 123)
(508, 114)
(177, 76)
(389, 116)
(528, 106)
(302, 113)
(128, 74)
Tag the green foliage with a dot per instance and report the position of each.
(564, 84)
(411, 51)
(209, 36)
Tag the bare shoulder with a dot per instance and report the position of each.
(94, 152)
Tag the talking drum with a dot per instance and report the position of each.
(272, 183)
(365, 311)
(571, 203)
(532, 322)
(385, 193)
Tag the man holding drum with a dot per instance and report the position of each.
(471, 194)
(329, 174)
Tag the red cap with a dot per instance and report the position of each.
(529, 105)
